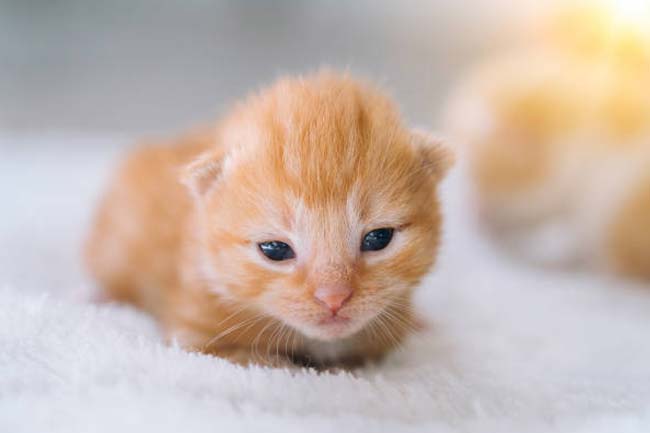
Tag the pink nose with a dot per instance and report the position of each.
(333, 297)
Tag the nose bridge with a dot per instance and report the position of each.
(333, 273)
(331, 234)
(330, 261)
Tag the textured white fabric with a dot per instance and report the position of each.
(508, 349)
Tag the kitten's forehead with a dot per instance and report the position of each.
(319, 137)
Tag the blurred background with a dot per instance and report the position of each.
(151, 66)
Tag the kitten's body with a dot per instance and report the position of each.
(306, 161)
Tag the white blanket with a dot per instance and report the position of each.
(509, 348)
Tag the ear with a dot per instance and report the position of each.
(437, 158)
(200, 175)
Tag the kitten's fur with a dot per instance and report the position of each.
(315, 162)
(558, 143)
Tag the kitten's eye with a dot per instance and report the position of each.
(377, 239)
(276, 250)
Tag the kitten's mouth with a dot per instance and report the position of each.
(331, 327)
(334, 320)
(334, 327)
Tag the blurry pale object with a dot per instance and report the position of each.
(558, 143)
(617, 31)
(631, 12)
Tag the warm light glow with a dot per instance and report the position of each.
(635, 13)
(612, 30)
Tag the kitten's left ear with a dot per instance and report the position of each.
(437, 157)
(200, 175)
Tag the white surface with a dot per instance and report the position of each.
(509, 348)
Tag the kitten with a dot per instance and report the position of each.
(558, 143)
(296, 230)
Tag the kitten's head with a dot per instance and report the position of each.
(320, 209)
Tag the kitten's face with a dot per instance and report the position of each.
(324, 215)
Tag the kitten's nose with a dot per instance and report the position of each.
(333, 297)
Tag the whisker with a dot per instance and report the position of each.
(279, 340)
(386, 327)
(293, 344)
(255, 344)
(379, 330)
(286, 342)
(237, 312)
(228, 331)
(277, 328)
(400, 320)
(259, 318)
(276, 340)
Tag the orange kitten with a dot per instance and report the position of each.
(558, 143)
(296, 230)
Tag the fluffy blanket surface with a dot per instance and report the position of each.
(508, 347)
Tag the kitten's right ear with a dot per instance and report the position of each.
(437, 157)
(200, 175)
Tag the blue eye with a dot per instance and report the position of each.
(276, 250)
(377, 239)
